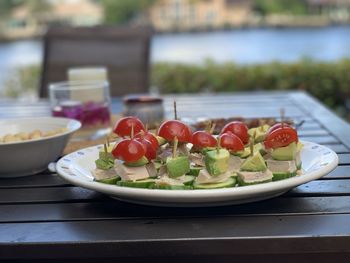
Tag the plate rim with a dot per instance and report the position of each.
(191, 195)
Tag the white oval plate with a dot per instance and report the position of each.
(76, 168)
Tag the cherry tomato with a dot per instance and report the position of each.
(277, 126)
(129, 150)
(238, 128)
(281, 137)
(174, 128)
(151, 152)
(148, 136)
(124, 125)
(231, 142)
(203, 139)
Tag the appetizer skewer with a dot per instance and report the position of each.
(177, 159)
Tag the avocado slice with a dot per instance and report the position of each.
(157, 165)
(286, 153)
(103, 154)
(299, 146)
(298, 161)
(188, 179)
(260, 132)
(194, 170)
(243, 154)
(161, 140)
(106, 159)
(104, 163)
(254, 163)
(216, 161)
(140, 162)
(178, 166)
(207, 149)
(246, 152)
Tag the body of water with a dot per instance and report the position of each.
(246, 46)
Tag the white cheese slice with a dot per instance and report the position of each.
(182, 149)
(197, 159)
(281, 166)
(166, 180)
(205, 178)
(234, 163)
(100, 174)
(255, 177)
(127, 173)
(167, 151)
(151, 169)
(164, 153)
(163, 170)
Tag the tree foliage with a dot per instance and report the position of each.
(6, 6)
(122, 11)
(328, 82)
(295, 7)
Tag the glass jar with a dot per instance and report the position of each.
(85, 101)
(149, 109)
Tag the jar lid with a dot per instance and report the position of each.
(141, 99)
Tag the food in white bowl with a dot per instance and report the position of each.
(25, 136)
(30, 156)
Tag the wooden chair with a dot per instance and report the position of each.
(124, 51)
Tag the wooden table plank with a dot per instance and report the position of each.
(322, 188)
(38, 180)
(121, 238)
(341, 172)
(320, 139)
(310, 126)
(339, 127)
(338, 148)
(110, 209)
(344, 158)
(48, 195)
(312, 133)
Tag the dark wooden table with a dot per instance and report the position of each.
(44, 219)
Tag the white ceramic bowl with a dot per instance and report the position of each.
(33, 156)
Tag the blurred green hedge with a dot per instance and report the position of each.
(22, 81)
(329, 82)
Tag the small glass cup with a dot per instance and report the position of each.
(86, 101)
(149, 109)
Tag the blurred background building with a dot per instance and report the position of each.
(29, 18)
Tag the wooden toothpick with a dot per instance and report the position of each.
(176, 141)
(132, 131)
(105, 148)
(175, 111)
(282, 117)
(208, 126)
(251, 144)
(218, 145)
(212, 128)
